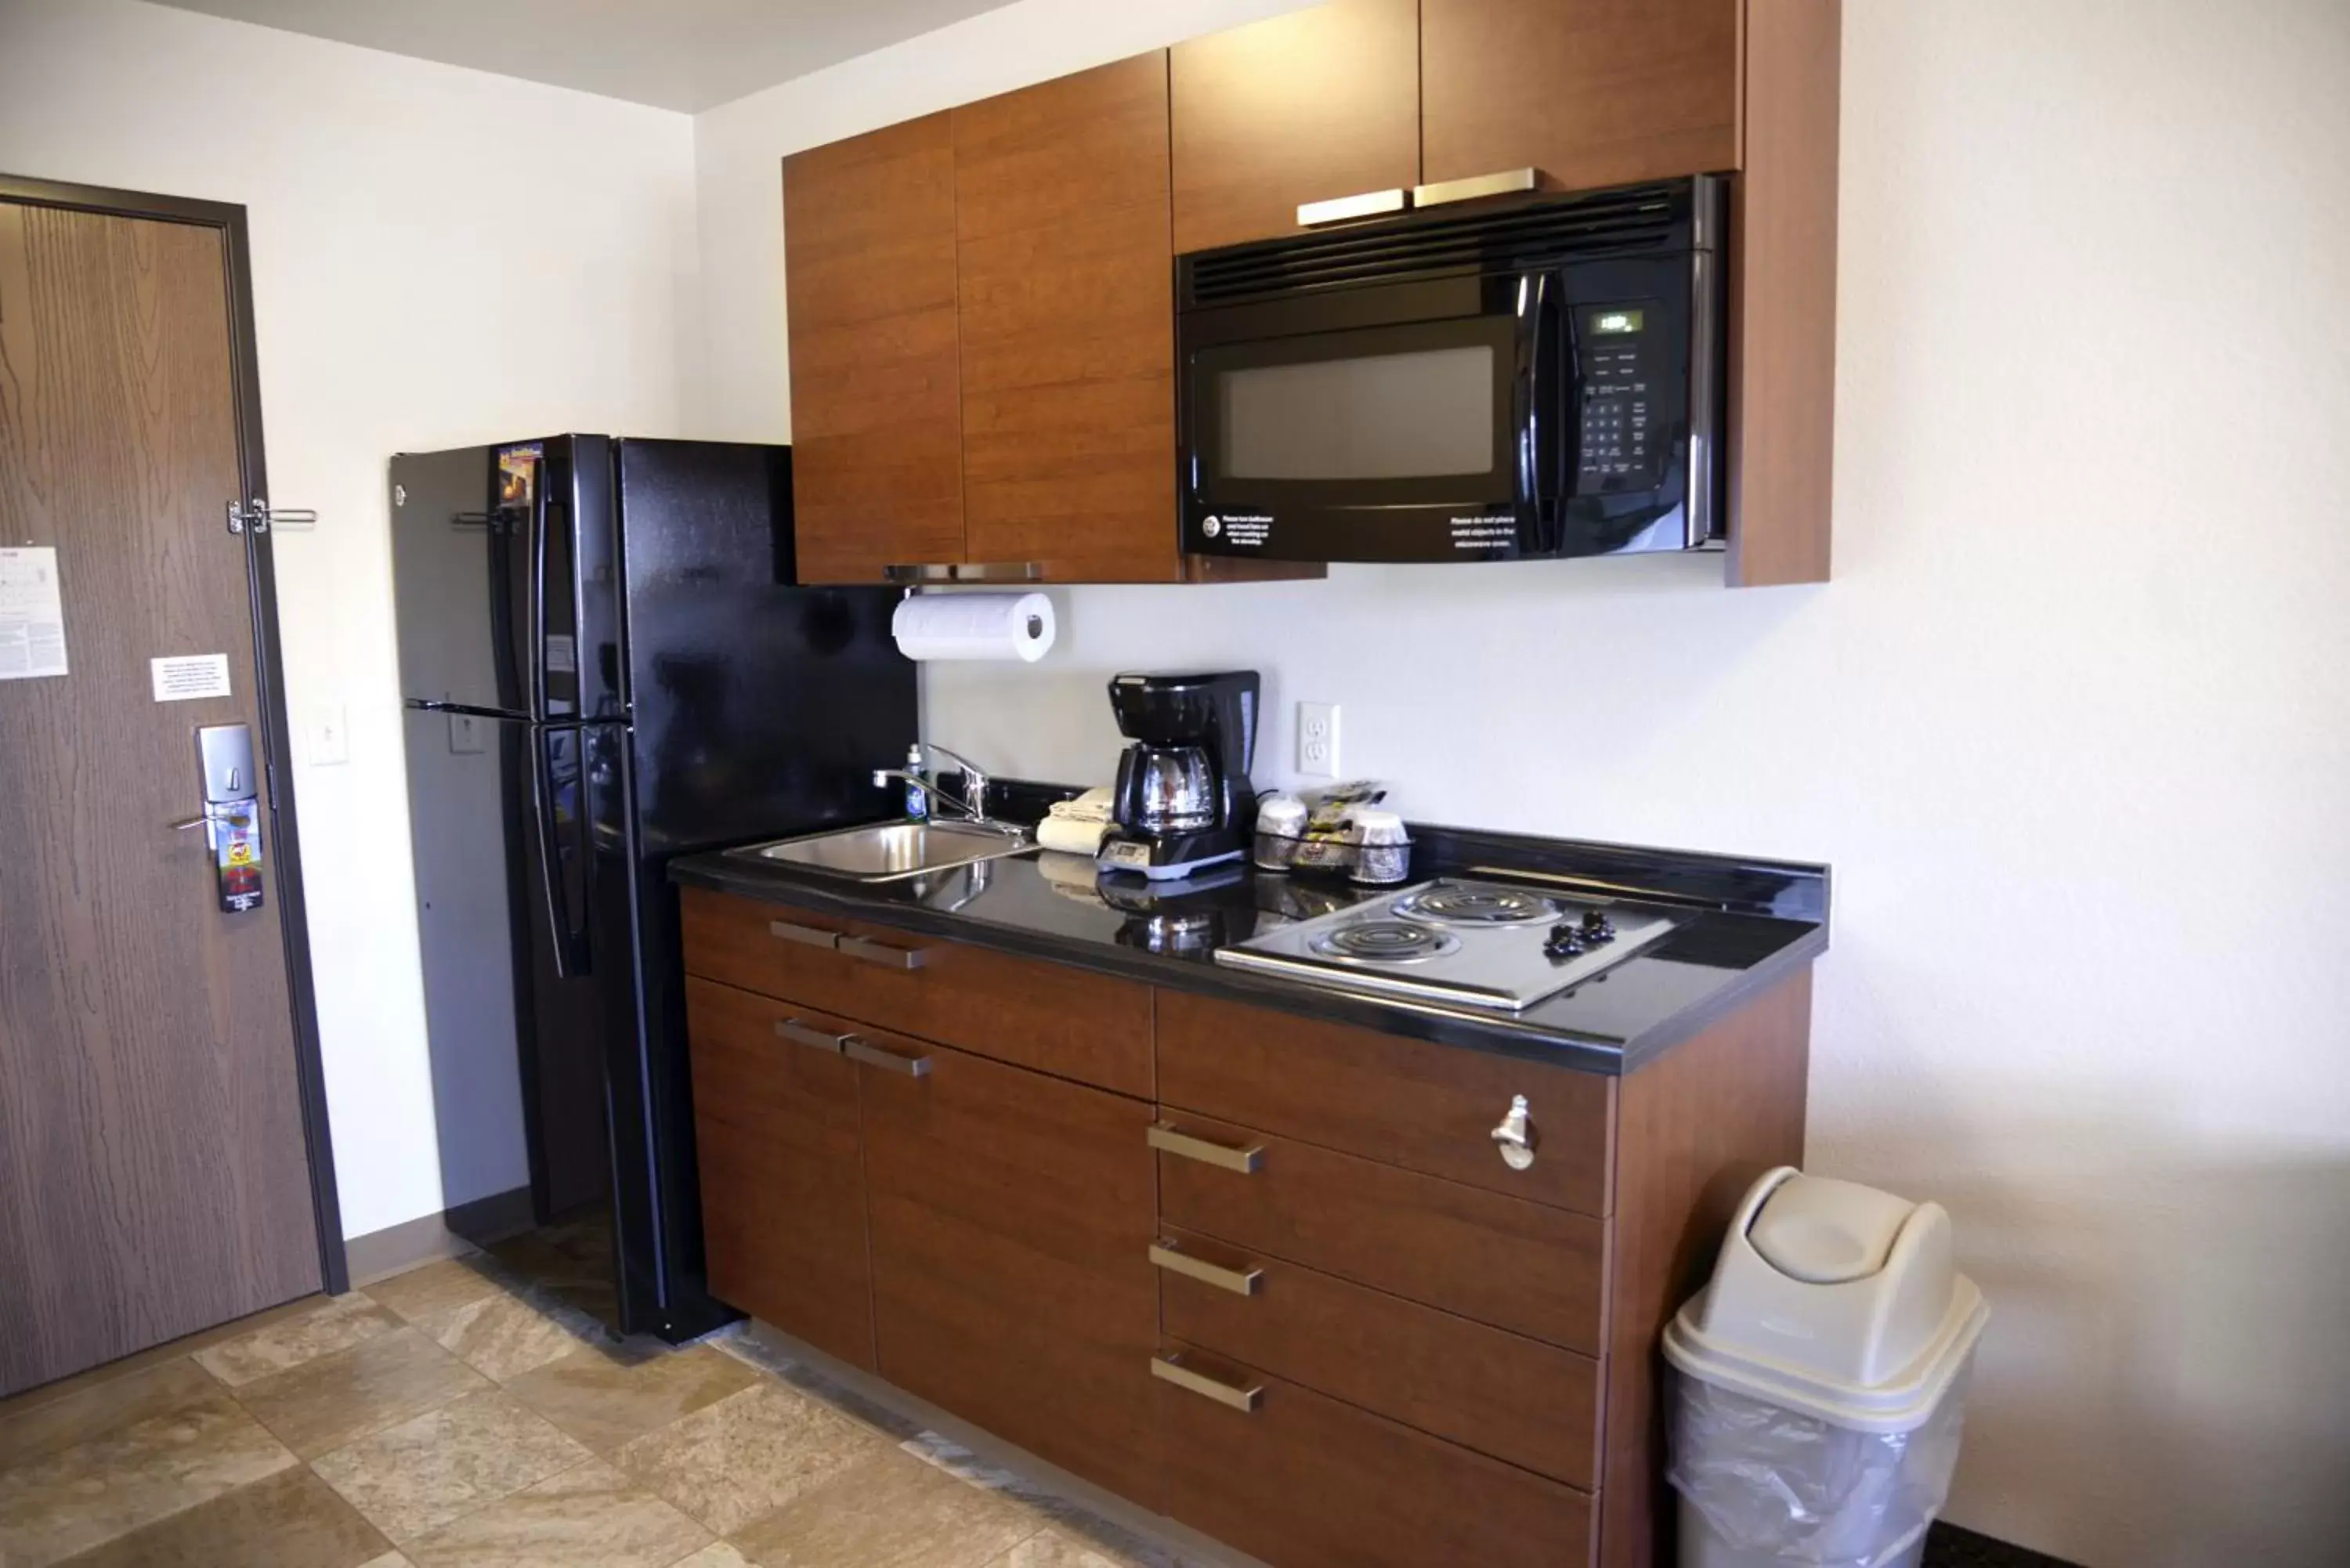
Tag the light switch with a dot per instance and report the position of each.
(467, 734)
(329, 741)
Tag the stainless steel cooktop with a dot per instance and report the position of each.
(1472, 944)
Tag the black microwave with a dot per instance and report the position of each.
(1542, 379)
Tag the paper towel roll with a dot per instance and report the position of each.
(975, 626)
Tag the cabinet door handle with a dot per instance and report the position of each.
(888, 956)
(1516, 1138)
(1182, 1144)
(1341, 209)
(799, 1034)
(1169, 1367)
(1508, 183)
(859, 1049)
(1168, 1253)
(812, 936)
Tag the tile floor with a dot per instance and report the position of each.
(469, 1414)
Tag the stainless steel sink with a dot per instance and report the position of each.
(887, 851)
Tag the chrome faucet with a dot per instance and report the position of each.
(972, 805)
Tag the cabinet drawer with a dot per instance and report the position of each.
(1012, 1217)
(1526, 1267)
(1305, 1481)
(1426, 1107)
(1501, 1393)
(783, 1179)
(1049, 1016)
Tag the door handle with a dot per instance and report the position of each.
(1507, 183)
(1170, 1140)
(888, 956)
(1168, 1367)
(799, 1034)
(1168, 1253)
(812, 936)
(1342, 209)
(859, 1049)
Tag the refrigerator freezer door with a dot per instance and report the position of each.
(505, 575)
(462, 582)
(760, 709)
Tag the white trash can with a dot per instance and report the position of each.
(1821, 1380)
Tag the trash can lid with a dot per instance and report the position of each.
(1834, 1300)
(1825, 1232)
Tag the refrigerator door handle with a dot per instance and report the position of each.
(539, 594)
(571, 952)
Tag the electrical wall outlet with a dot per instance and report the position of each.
(330, 742)
(1318, 740)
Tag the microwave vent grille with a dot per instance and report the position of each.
(1629, 220)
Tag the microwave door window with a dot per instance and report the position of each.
(1425, 414)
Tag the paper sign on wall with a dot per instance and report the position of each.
(188, 676)
(32, 614)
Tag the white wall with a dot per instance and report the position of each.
(2073, 722)
(440, 256)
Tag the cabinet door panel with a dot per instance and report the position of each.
(1323, 102)
(1011, 1219)
(783, 1185)
(1591, 92)
(1526, 1267)
(1068, 344)
(876, 412)
(1305, 1481)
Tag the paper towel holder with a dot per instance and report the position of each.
(968, 572)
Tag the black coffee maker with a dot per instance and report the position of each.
(1183, 800)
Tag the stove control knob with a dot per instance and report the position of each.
(1597, 926)
(1516, 1138)
(1564, 941)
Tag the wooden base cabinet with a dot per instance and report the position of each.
(1296, 1301)
(1011, 1214)
(782, 1178)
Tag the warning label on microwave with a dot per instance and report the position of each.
(1248, 530)
(1485, 533)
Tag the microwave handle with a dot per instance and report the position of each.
(1540, 384)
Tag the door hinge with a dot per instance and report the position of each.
(256, 516)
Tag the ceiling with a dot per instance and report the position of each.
(675, 53)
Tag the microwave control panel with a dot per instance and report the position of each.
(1618, 451)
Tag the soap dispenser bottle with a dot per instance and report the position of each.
(918, 799)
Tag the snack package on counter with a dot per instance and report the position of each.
(1331, 843)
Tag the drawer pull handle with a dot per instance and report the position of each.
(799, 1034)
(1167, 1253)
(1508, 183)
(1169, 1141)
(812, 936)
(1516, 1136)
(1169, 1368)
(888, 956)
(861, 1050)
(1343, 209)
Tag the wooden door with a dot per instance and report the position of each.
(1012, 1218)
(782, 1166)
(1067, 279)
(1317, 104)
(153, 1177)
(1590, 92)
(877, 415)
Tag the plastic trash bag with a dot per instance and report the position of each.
(1796, 1488)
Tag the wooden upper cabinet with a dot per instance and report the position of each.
(1068, 326)
(877, 413)
(1320, 103)
(1590, 92)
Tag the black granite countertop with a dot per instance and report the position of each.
(1745, 925)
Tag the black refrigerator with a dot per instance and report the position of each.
(604, 662)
